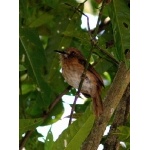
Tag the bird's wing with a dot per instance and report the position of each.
(91, 69)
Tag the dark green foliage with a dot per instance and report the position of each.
(48, 25)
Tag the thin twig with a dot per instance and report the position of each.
(77, 9)
(82, 77)
(53, 104)
(96, 31)
(80, 84)
(92, 38)
(50, 108)
(73, 108)
(24, 139)
(87, 64)
(93, 43)
(99, 17)
(107, 54)
(101, 26)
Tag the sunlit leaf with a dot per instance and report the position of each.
(124, 132)
(26, 88)
(29, 124)
(22, 68)
(71, 138)
(49, 141)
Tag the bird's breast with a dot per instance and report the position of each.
(72, 72)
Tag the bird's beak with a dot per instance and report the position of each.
(61, 52)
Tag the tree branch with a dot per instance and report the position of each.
(111, 101)
(112, 141)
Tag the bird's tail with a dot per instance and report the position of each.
(97, 105)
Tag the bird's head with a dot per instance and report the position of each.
(70, 53)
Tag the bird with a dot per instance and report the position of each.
(73, 64)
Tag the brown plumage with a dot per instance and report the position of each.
(73, 64)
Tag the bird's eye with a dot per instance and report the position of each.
(72, 53)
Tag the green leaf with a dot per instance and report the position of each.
(75, 134)
(26, 88)
(43, 19)
(49, 141)
(80, 108)
(124, 132)
(35, 60)
(29, 124)
(23, 8)
(119, 14)
(32, 107)
(22, 68)
(33, 142)
(83, 37)
(55, 114)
